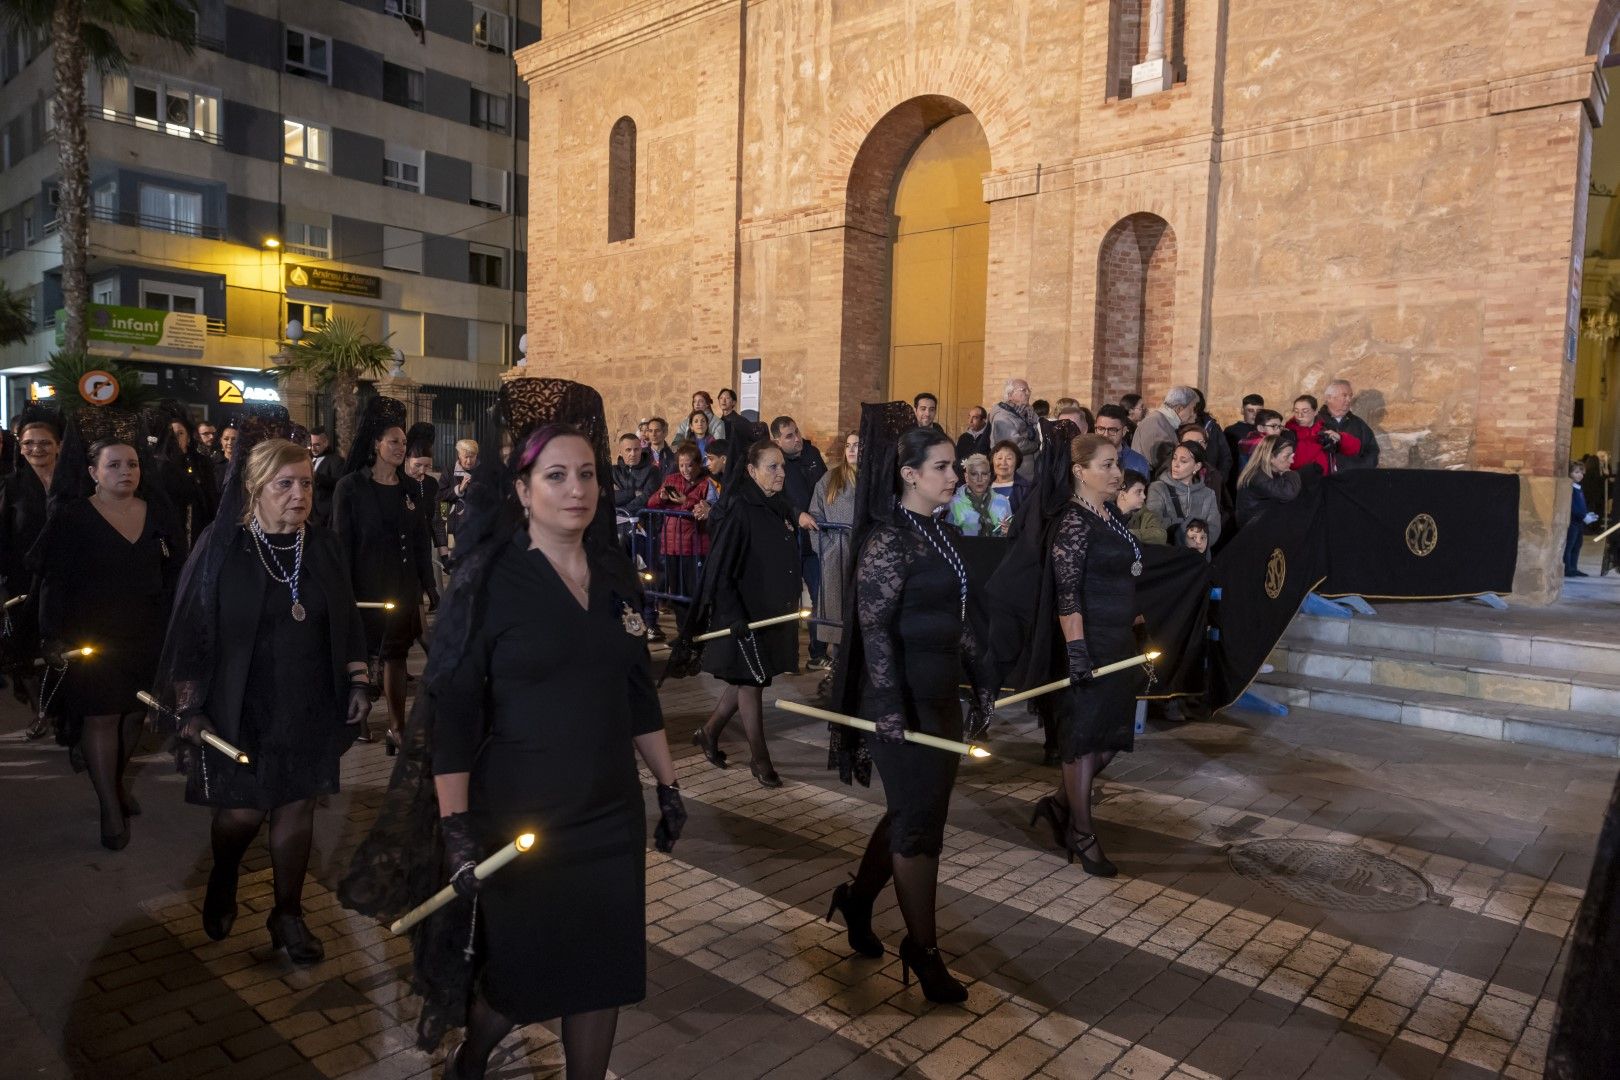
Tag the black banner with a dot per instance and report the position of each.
(1420, 534)
(1264, 574)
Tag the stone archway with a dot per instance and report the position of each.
(869, 230)
(1136, 276)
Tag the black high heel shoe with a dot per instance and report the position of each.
(453, 1069)
(766, 775)
(116, 841)
(219, 904)
(288, 931)
(715, 755)
(858, 920)
(1056, 815)
(938, 985)
(390, 742)
(1079, 843)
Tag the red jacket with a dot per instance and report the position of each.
(1310, 452)
(682, 536)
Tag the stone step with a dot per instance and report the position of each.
(1597, 655)
(1489, 680)
(1506, 721)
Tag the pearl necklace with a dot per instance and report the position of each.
(1113, 523)
(280, 573)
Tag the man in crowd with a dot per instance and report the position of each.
(635, 478)
(658, 448)
(1014, 421)
(926, 406)
(1266, 422)
(328, 471)
(804, 467)
(1337, 418)
(1156, 432)
(1112, 420)
(976, 439)
(207, 436)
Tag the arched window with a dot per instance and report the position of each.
(1136, 277)
(622, 181)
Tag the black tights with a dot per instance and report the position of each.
(1075, 793)
(393, 680)
(748, 702)
(916, 879)
(587, 1040)
(107, 743)
(292, 828)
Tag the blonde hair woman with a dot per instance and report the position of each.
(1269, 478)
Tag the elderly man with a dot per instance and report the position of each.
(1013, 420)
(1337, 417)
(1156, 434)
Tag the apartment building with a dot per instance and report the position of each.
(359, 159)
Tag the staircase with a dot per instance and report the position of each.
(1440, 666)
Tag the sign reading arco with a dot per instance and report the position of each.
(325, 279)
(142, 327)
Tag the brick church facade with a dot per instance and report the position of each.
(1258, 196)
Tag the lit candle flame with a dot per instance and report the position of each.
(86, 650)
(525, 842)
(646, 576)
(1154, 654)
(978, 752)
(804, 613)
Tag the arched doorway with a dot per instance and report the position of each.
(916, 252)
(1136, 275)
(937, 280)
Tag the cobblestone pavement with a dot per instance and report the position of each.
(1179, 967)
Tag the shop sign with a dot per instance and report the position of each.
(326, 279)
(237, 392)
(146, 328)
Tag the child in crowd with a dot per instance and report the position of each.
(1196, 532)
(1579, 519)
(1131, 501)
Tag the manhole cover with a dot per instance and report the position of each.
(1331, 876)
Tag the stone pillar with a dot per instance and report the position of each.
(1153, 74)
(298, 394)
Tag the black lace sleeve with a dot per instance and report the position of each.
(880, 577)
(1069, 561)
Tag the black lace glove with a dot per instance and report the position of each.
(461, 852)
(672, 817)
(446, 562)
(979, 715)
(740, 630)
(891, 728)
(432, 599)
(54, 653)
(1144, 640)
(195, 724)
(192, 725)
(1079, 661)
(359, 703)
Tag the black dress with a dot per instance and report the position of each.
(754, 569)
(22, 517)
(1091, 568)
(543, 712)
(98, 589)
(191, 484)
(916, 634)
(425, 493)
(384, 539)
(279, 688)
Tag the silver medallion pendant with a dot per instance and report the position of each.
(410, 504)
(297, 611)
(1136, 568)
(633, 625)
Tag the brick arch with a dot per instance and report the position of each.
(1604, 24)
(1135, 324)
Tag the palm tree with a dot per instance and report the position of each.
(336, 354)
(82, 32)
(16, 318)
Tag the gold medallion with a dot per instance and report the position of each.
(1276, 573)
(1422, 535)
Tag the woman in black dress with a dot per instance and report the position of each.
(185, 471)
(424, 490)
(752, 573)
(385, 543)
(106, 566)
(266, 650)
(1094, 564)
(916, 633)
(537, 730)
(23, 495)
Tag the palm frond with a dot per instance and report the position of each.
(65, 369)
(16, 316)
(336, 348)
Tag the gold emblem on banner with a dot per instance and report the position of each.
(1276, 573)
(1422, 535)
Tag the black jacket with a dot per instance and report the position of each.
(632, 487)
(328, 471)
(803, 473)
(1353, 425)
(968, 444)
(1262, 492)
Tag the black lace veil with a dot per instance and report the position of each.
(380, 414)
(399, 863)
(877, 500)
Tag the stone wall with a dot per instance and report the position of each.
(1387, 194)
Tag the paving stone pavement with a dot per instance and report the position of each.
(1178, 968)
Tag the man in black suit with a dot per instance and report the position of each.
(328, 470)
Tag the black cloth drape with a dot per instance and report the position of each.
(1420, 534)
(1585, 1042)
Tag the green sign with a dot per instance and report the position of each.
(144, 327)
(325, 279)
